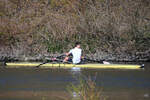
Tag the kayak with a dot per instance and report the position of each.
(61, 65)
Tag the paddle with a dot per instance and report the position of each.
(98, 61)
(53, 59)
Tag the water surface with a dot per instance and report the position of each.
(50, 84)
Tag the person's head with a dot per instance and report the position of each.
(77, 44)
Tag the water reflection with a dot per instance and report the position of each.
(126, 83)
(76, 70)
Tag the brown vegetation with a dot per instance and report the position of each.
(86, 89)
(41, 26)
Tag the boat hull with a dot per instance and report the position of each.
(51, 65)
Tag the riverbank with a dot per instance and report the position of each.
(123, 57)
(107, 29)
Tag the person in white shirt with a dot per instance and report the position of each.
(76, 53)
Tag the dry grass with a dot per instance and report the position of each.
(53, 26)
(86, 89)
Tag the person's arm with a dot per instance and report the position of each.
(67, 54)
(82, 57)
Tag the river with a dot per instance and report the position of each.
(51, 84)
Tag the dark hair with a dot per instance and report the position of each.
(77, 43)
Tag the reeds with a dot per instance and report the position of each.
(86, 89)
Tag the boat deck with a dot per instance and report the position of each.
(54, 65)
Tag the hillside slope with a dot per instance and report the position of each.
(107, 29)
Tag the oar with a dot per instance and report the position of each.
(53, 59)
(98, 61)
(92, 60)
(42, 64)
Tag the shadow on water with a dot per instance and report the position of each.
(50, 84)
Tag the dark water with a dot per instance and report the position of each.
(50, 84)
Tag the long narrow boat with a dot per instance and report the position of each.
(57, 65)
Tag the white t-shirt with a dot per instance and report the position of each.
(76, 52)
